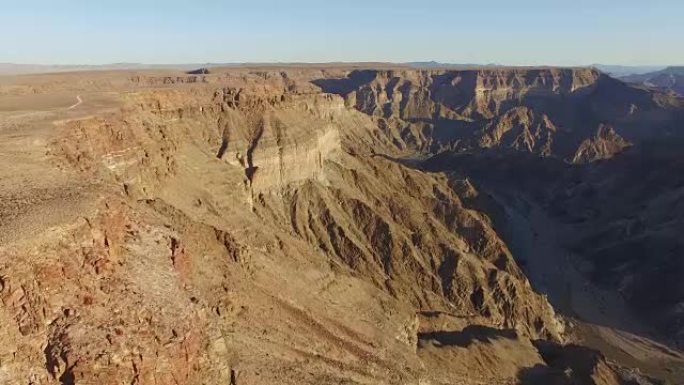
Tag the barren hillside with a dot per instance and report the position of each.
(325, 225)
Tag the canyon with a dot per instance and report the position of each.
(340, 224)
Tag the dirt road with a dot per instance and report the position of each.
(78, 103)
(35, 193)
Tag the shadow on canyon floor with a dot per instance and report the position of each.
(466, 337)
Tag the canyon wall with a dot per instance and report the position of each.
(249, 228)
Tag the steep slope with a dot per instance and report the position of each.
(550, 112)
(631, 231)
(245, 230)
(243, 227)
(605, 145)
(601, 246)
(575, 157)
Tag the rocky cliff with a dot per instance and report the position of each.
(548, 111)
(248, 228)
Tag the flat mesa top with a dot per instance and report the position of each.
(29, 69)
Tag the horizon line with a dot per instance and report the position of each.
(416, 62)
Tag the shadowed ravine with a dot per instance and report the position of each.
(554, 270)
(597, 316)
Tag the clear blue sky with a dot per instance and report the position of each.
(524, 32)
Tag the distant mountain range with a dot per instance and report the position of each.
(621, 70)
(670, 79)
(617, 71)
(612, 70)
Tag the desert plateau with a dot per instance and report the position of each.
(340, 224)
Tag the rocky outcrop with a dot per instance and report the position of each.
(99, 301)
(250, 229)
(606, 144)
(270, 186)
(285, 155)
(550, 112)
(521, 129)
(267, 140)
(413, 95)
(413, 237)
